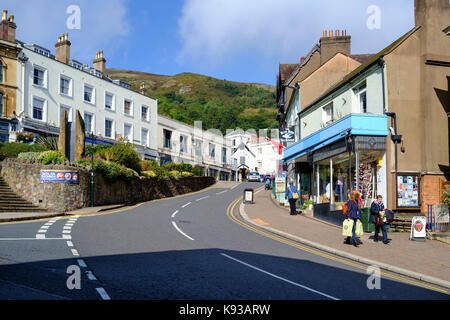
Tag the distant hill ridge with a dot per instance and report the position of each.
(219, 104)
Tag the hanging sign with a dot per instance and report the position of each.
(418, 229)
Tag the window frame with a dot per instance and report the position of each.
(69, 113)
(169, 146)
(93, 97)
(1, 72)
(44, 108)
(128, 139)
(147, 135)
(326, 117)
(359, 90)
(92, 115)
(131, 114)
(113, 101)
(147, 119)
(44, 76)
(113, 125)
(70, 89)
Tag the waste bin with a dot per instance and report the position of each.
(365, 218)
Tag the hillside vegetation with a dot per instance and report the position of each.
(219, 104)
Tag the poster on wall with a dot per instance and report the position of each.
(408, 191)
(58, 176)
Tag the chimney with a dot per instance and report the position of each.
(301, 60)
(7, 27)
(332, 44)
(142, 89)
(62, 49)
(100, 62)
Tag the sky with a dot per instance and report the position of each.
(238, 40)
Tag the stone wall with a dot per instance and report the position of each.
(23, 176)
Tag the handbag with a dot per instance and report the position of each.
(294, 194)
(347, 228)
(359, 231)
(379, 221)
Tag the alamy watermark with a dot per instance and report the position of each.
(374, 280)
(74, 20)
(374, 19)
(74, 280)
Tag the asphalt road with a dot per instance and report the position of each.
(179, 248)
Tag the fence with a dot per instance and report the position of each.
(434, 223)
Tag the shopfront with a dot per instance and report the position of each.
(339, 159)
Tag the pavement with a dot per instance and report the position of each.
(425, 261)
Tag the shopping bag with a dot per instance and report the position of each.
(347, 227)
(359, 229)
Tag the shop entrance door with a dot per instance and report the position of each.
(305, 186)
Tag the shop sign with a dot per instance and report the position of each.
(418, 229)
(407, 191)
(59, 176)
(287, 135)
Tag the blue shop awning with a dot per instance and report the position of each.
(353, 124)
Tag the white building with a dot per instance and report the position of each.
(266, 155)
(179, 142)
(48, 83)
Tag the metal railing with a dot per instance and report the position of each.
(434, 226)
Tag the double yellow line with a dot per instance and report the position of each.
(230, 213)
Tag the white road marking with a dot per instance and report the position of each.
(221, 192)
(40, 236)
(66, 236)
(202, 198)
(235, 186)
(67, 227)
(90, 275)
(174, 214)
(280, 278)
(179, 230)
(186, 205)
(81, 263)
(67, 231)
(42, 230)
(45, 227)
(103, 294)
(75, 252)
(70, 243)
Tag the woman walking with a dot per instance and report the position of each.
(292, 196)
(354, 213)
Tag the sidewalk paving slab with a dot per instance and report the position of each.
(427, 261)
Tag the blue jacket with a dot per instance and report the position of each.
(354, 211)
(289, 192)
(375, 209)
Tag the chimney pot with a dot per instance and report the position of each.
(324, 33)
(331, 34)
(4, 15)
(62, 49)
(337, 33)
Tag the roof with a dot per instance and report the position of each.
(286, 70)
(372, 60)
(361, 58)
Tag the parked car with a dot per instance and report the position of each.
(253, 177)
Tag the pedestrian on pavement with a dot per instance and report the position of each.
(376, 210)
(354, 213)
(292, 196)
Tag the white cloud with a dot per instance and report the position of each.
(103, 24)
(216, 31)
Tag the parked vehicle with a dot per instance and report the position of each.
(253, 177)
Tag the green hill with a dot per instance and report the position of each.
(220, 104)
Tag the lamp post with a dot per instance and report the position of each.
(92, 168)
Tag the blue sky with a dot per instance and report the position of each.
(240, 40)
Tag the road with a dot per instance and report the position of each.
(188, 247)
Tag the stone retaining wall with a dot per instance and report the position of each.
(23, 176)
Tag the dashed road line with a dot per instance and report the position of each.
(279, 278)
(184, 206)
(69, 243)
(81, 263)
(90, 275)
(202, 198)
(222, 192)
(75, 252)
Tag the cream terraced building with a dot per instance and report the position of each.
(179, 142)
(48, 84)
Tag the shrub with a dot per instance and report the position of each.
(148, 165)
(187, 174)
(29, 156)
(24, 137)
(160, 172)
(12, 149)
(111, 171)
(174, 174)
(49, 143)
(149, 173)
(125, 155)
(49, 157)
(198, 171)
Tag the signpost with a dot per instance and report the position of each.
(418, 229)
